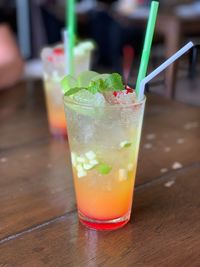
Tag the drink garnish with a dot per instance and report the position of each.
(83, 163)
(58, 51)
(85, 78)
(92, 82)
(68, 82)
(127, 91)
(88, 161)
(125, 144)
(104, 168)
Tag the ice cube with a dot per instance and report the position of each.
(123, 175)
(46, 52)
(81, 159)
(84, 97)
(87, 166)
(74, 158)
(81, 174)
(94, 162)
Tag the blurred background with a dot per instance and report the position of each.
(26, 26)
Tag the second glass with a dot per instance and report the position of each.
(54, 69)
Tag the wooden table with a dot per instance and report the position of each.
(173, 29)
(38, 219)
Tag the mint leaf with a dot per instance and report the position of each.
(68, 82)
(114, 82)
(73, 91)
(101, 76)
(92, 82)
(85, 78)
(106, 82)
(104, 168)
(97, 86)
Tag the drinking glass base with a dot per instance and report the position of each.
(103, 225)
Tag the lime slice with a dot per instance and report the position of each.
(104, 168)
(125, 144)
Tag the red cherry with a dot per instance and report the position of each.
(129, 91)
(58, 51)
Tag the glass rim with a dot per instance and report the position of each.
(69, 100)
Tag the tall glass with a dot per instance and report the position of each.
(104, 144)
(54, 69)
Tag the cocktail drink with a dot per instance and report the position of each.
(104, 130)
(54, 65)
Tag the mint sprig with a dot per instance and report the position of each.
(97, 86)
(114, 82)
(104, 83)
(68, 82)
(85, 78)
(73, 91)
(92, 82)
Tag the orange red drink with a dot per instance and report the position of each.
(104, 142)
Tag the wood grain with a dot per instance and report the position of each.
(38, 223)
(23, 117)
(164, 231)
(35, 174)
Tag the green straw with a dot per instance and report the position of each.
(147, 44)
(70, 4)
